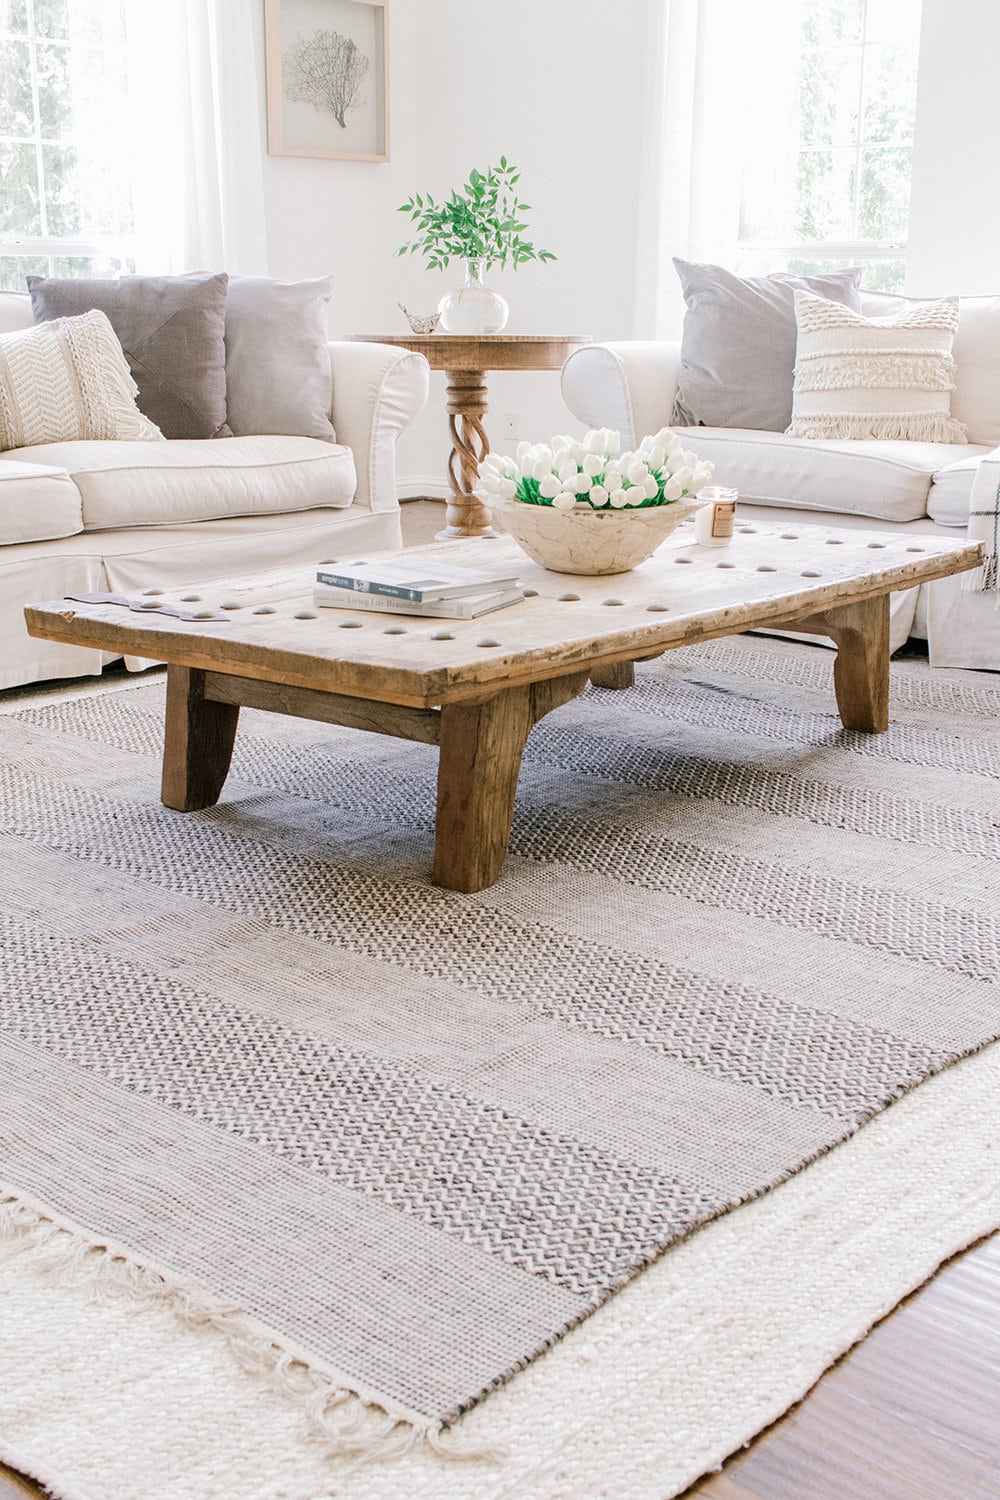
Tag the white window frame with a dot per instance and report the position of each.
(119, 248)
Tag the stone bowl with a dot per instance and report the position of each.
(588, 541)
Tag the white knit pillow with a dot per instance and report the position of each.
(858, 377)
(65, 380)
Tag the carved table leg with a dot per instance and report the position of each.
(619, 674)
(198, 742)
(467, 515)
(481, 745)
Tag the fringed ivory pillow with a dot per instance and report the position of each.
(66, 380)
(858, 377)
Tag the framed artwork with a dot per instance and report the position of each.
(328, 79)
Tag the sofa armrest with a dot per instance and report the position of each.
(628, 386)
(378, 391)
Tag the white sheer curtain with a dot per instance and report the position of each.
(707, 62)
(194, 101)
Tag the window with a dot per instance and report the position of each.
(65, 168)
(827, 177)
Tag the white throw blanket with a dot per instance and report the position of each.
(984, 525)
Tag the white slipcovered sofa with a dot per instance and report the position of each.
(80, 517)
(922, 488)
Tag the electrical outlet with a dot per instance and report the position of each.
(510, 425)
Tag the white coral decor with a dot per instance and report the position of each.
(566, 473)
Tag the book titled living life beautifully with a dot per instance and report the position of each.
(394, 579)
(468, 607)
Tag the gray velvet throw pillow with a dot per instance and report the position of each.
(172, 329)
(277, 360)
(738, 343)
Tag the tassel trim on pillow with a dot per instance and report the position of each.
(915, 427)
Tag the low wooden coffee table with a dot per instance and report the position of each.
(475, 688)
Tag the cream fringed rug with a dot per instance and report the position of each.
(416, 1136)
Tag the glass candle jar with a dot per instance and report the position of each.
(713, 523)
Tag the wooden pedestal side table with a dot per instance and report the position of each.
(466, 359)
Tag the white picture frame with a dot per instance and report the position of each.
(328, 79)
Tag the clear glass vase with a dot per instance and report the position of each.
(473, 308)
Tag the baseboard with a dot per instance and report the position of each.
(423, 487)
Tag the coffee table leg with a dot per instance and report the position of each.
(620, 674)
(466, 515)
(861, 670)
(481, 746)
(198, 742)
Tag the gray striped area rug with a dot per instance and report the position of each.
(417, 1135)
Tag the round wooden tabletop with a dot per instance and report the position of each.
(487, 351)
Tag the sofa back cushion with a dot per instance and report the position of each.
(15, 311)
(172, 329)
(277, 359)
(975, 401)
(67, 380)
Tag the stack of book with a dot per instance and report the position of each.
(396, 586)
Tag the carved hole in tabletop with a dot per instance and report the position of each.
(190, 598)
(204, 614)
(347, 624)
(613, 601)
(150, 604)
(530, 594)
(264, 609)
(230, 604)
(568, 598)
(394, 630)
(683, 559)
(442, 635)
(657, 609)
(834, 541)
(876, 546)
(914, 549)
(766, 568)
(749, 530)
(488, 642)
(303, 614)
(789, 536)
(810, 573)
(725, 565)
(150, 592)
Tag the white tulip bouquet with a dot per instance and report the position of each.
(594, 472)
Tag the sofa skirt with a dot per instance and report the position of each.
(161, 557)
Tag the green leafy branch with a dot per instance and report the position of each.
(481, 222)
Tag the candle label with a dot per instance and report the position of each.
(723, 517)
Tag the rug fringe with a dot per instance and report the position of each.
(347, 1424)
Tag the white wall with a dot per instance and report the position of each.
(555, 85)
(954, 243)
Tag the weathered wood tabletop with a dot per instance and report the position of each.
(476, 687)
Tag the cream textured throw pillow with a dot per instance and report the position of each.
(858, 377)
(66, 380)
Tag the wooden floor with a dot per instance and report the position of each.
(913, 1413)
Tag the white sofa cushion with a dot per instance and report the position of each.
(886, 378)
(975, 401)
(37, 503)
(192, 479)
(948, 501)
(65, 380)
(887, 481)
